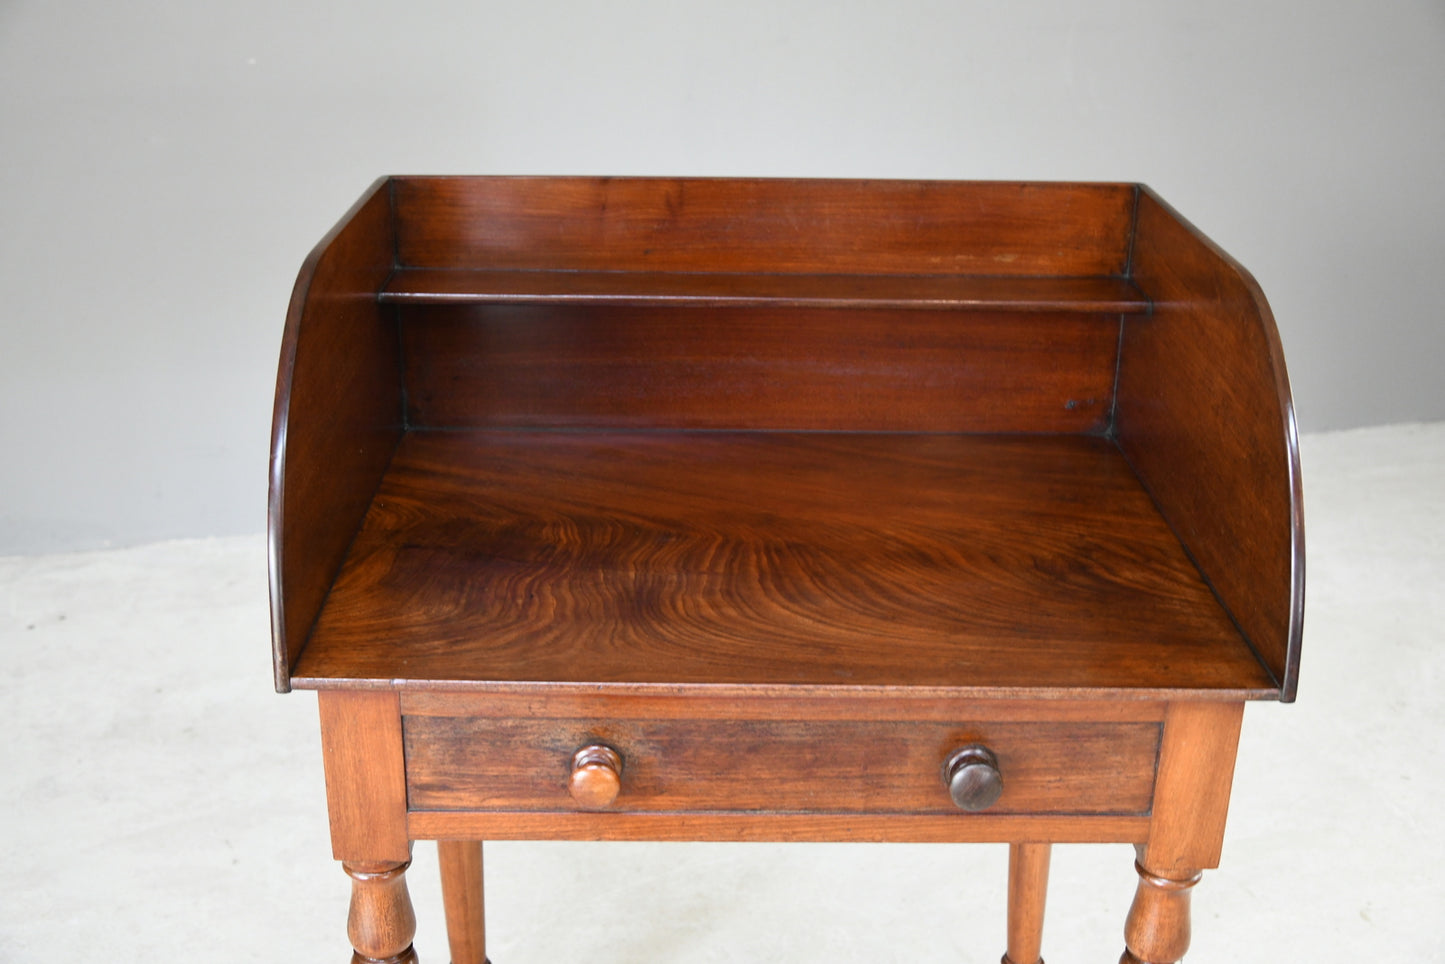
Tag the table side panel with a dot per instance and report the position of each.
(337, 418)
(1205, 417)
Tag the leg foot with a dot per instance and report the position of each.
(381, 924)
(1028, 882)
(461, 865)
(1157, 929)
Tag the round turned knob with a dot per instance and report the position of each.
(596, 776)
(972, 777)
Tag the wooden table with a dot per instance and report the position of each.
(659, 509)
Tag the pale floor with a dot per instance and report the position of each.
(159, 802)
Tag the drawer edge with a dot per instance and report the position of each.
(877, 828)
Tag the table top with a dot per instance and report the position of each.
(977, 564)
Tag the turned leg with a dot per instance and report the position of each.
(381, 923)
(1028, 883)
(1157, 929)
(461, 864)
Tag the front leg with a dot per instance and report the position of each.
(1186, 827)
(1157, 929)
(381, 923)
(366, 797)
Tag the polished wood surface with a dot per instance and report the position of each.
(764, 368)
(1158, 928)
(770, 558)
(361, 753)
(679, 509)
(337, 417)
(381, 922)
(763, 225)
(1028, 884)
(431, 286)
(596, 776)
(1205, 417)
(463, 900)
(778, 766)
(971, 774)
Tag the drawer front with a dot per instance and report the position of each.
(778, 766)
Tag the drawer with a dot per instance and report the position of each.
(778, 766)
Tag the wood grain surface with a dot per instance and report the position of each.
(779, 766)
(337, 417)
(751, 225)
(979, 563)
(759, 368)
(1205, 417)
(361, 753)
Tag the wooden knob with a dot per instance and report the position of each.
(972, 777)
(596, 776)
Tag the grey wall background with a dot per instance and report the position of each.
(166, 166)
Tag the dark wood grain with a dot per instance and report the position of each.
(744, 225)
(337, 417)
(778, 766)
(782, 497)
(984, 564)
(1205, 417)
(429, 286)
(759, 368)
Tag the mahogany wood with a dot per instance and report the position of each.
(460, 286)
(1028, 884)
(783, 491)
(778, 767)
(1205, 417)
(1191, 798)
(462, 897)
(1157, 930)
(361, 751)
(762, 225)
(758, 559)
(763, 368)
(381, 923)
(337, 417)
(1186, 832)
